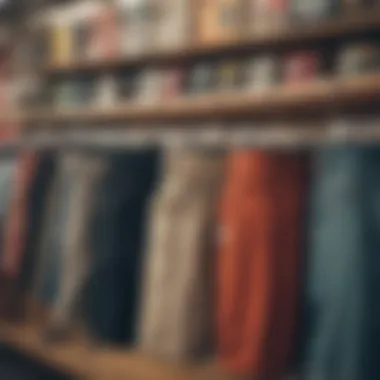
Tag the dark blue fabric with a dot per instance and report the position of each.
(118, 228)
(340, 340)
(36, 211)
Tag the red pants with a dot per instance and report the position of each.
(258, 261)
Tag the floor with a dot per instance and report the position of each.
(15, 366)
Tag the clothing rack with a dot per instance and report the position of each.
(327, 111)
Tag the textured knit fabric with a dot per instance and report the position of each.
(117, 234)
(341, 339)
(258, 262)
(176, 319)
(84, 173)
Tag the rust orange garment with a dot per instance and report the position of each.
(258, 262)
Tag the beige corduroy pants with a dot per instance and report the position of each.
(176, 305)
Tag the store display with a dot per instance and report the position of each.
(262, 260)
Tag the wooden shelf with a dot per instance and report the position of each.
(318, 97)
(352, 25)
(84, 362)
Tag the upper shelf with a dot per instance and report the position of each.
(350, 25)
(324, 96)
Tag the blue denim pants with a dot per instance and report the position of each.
(342, 329)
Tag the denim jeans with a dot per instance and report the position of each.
(342, 329)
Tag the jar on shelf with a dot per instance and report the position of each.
(104, 37)
(358, 58)
(219, 20)
(302, 66)
(229, 75)
(202, 78)
(105, 91)
(137, 19)
(173, 24)
(149, 86)
(357, 5)
(267, 15)
(173, 83)
(61, 42)
(304, 11)
(262, 72)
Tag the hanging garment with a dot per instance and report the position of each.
(176, 320)
(84, 172)
(7, 168)
(36, 210)
(48, 272)
(15, 232)
(258, 262)
(341, 334)
(15, 229)
(116, 245)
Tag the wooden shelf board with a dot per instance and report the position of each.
(332, 29)
(324, 96)
(85, 362)
(319, 97)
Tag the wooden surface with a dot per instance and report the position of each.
(345, 26)
(86, 362)
(318, 97)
